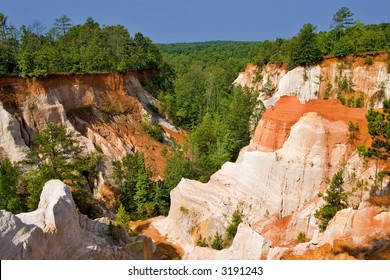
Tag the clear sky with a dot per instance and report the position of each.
(170, 21)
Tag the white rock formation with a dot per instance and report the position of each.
(259, 183)
(312, 82)
(357, 224)
(11, 141)
(56, 230)
(247, 245)
(304, 83)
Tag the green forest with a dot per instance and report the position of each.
(193, 82)
(347, 36)
(67, 49)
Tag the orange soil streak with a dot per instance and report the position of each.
(277, 121)
(165, 249)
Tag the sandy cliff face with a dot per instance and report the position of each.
(56, 230)
(275, 181)
(275, 124)
(362, 233)
(352, 75)
(104, 110)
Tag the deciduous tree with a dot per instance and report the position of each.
(305, 48)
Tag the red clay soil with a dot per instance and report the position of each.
(109, 197)
(323, 253)
(275, 232)
(165, 250)
(107, 92)
(180, 138)
(345, 249)
(380, 201)
(274, 129)
(355, 60)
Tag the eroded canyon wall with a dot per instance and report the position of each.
(347, 77)
(276, 178)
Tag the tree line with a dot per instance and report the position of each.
(67, 49)
(347, 36)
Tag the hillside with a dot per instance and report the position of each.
(106, 110)
(275, 185)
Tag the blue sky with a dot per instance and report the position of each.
(168, 21)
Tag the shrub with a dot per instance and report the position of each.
(231, 230)
(154, 130)
(114, 232)
(360, 101)
(328, 91)
(353, 132)
(369, 61)
(301, 238)
(217, 243)
(201, 242)
(184, 210)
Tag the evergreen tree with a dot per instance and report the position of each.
(57, 155)
(241, 108)
(178, 166)
(212, 145)
(335, 198)
(52, 154)
(54, 148)
(140, 196)
(123, 217)
(124, 172)
(62, 25)
(231, 230)
(379, 130)
(217, 243)
(342, 18)
(10, 199)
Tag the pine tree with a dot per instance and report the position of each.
(123, 217)
(342, 18)
(231, 230)
(57, 155)
(335, 198)
(142, 196)
(217, 243)
(62, 24)
(9, 197)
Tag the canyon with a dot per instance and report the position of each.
(301, 141)
(104, 110)
(275, 184)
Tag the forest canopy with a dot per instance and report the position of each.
(68, 49)
(347, 36)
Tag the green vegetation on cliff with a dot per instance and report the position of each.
(347, 36)
(379, 130)
(86, 48)
(335, 198)
(204, 102)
